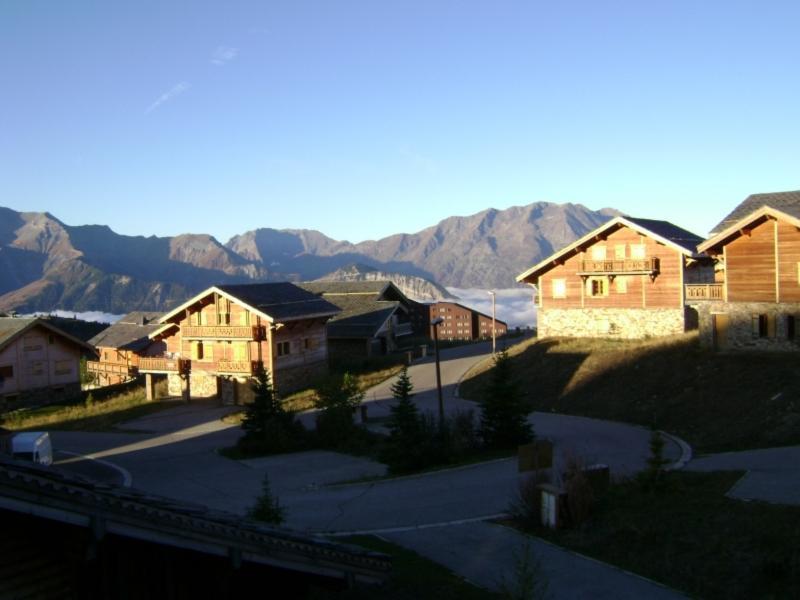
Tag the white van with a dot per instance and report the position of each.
(34, 446)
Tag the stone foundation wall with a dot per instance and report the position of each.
(624, 323)
(174, 385)
(288, 380)
(740, 331)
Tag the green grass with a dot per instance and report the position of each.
(413, 577)
(717, 402)
(100, 415)
(695, 539)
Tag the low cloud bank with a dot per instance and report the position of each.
(91, 315)
(514, 306)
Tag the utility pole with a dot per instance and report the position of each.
(435, 324)
(492, 293)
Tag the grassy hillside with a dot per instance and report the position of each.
(716, 402)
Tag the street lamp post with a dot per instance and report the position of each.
(435, 324)
(494, 336)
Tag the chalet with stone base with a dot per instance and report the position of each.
(625, 279)
(215, 342)
(39, 363)
(120, 346)
(756, 305)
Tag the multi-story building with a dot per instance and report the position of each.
(120, 346)
(38, 362)
(756, 303)
(216, 341)
(463, 323)
(624, 279)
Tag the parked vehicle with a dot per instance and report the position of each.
(34, 446)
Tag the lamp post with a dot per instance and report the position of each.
(492, 293)
(435, 324)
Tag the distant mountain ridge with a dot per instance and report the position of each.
(416, 288)
(46, 264)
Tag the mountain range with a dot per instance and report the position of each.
(46, 264)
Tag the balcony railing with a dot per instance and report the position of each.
(623, 266)
(240, 367)
(223, 332)
(106, 368)
(713, 292)
(160, 364)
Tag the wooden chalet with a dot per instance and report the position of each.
(463, 323)
(66, 537)
(624, 279)
(121, 346)
(756, 303)
(39, 363)
(214, 342)
(374, 316)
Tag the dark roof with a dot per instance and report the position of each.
(130, 332)
(13, 327)
(677, 235)
(38, 491)
(282, 301)
(345, 287)
(787, 202)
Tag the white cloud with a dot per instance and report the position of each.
(514, 305)
(175, 90)
(223, 54)
(92, 315)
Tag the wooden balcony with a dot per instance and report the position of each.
(705, 292)
(628, 266)
(161, 364)
(107, 368)
(223, 332)
(237, 367)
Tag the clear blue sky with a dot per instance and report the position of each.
(363, 119)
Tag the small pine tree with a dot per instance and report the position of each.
(653, 476)
(268, 426)
(504, 417)
(265, 405)
(404, 420)
(337, 399)
(267, 507)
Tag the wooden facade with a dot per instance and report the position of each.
(463, 323)
(38, 362)
(217, 340)
(626, 278)
(758, 302)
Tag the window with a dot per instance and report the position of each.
(638, 251)
(790, 327)
(763, 326)
(559, 288)
(63, 367)
(597, 287)
(240, 351)
(598, 252)
(619, 252)
(310, 344)
(51, 339)
(197, 350)
(6, 372)
(36, 368)
(622, 285)
(284, 348)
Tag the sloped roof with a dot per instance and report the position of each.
(13, 327)
(363, 313)
(664, 232)
(786, 202)
(714, 244)
(130, 332)
(53, 494)
(282, 301)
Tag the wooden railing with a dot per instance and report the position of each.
(161, 364)
(628, 265)
(223, 332)
(245, 367)
(106, 368)
(705, 291)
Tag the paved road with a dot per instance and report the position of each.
(178, 458)
(773, 474)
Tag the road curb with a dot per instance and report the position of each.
(127, 478)
(686, 452)
(405, 528)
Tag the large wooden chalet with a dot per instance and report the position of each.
(757, 302)
(122, 345)
(214, 342)
(625, 279)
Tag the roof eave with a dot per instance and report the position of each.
(723, 237)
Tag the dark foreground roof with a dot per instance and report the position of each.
(787, 202)
(281, 301)
(677, 235)
(130, 332)
(52, 494)
(13, 327)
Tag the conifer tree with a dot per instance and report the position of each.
(504, 416)
(404, 421)
(267, 507)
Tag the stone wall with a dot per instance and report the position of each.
(741, 333)
(625, 323)
(291, 379)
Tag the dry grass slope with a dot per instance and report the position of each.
(716, 402)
